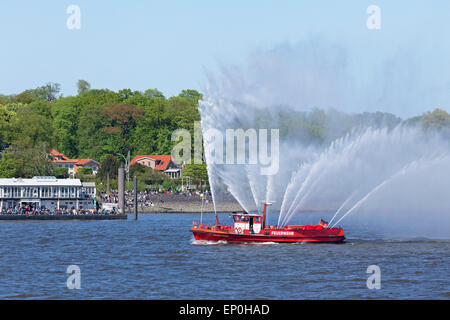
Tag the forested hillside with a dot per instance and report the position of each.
(93, 124)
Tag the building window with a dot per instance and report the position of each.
(45, 192)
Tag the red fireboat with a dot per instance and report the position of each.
(252, 228)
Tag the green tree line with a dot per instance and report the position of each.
(94, 124)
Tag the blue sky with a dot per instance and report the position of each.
(169, 44)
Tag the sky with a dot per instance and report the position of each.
(169, 45)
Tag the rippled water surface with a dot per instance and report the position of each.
(157, 258)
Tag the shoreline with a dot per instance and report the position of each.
(186, 207)
(63, 217)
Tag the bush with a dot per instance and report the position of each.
(61, 173)
(84, 171)
(147, 175)
(140, 184)
(168, 185)
(88, 178)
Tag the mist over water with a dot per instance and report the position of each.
(379, 171)
(391, 179)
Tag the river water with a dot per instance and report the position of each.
(156, 257)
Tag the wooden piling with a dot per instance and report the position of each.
(121, 187)
(135, 199)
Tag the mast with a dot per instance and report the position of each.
(217, 219)
(201, 210)
(266, 204)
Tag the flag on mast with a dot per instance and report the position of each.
(323, 223)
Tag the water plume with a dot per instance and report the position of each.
(330, 160)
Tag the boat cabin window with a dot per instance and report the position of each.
(241, 219)
(246, 219)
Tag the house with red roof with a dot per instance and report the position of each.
(73, 164)
(164, 163)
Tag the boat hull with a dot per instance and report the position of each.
(288, 236)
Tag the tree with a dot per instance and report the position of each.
(84, 170)
(123, 118)
(91, 138)
(438, 119)
(28, 128)
(61, 173)
(83, 86)
(5, 118)
(9, 167)
(26, 162)
(153, 93)
(48, 91)
(168, 185)
(28, 96)
(108, 170)
(42, 108)
(191, 94)
(183, 111)
(66, 114)
(122, 122)
(109, 167)
(36, 162)
(197, 172)
(85, 174)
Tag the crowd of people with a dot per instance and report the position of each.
(31, 210)
(145, 199)
(154, 198)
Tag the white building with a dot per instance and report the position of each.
(173, 173)
(47, 192)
